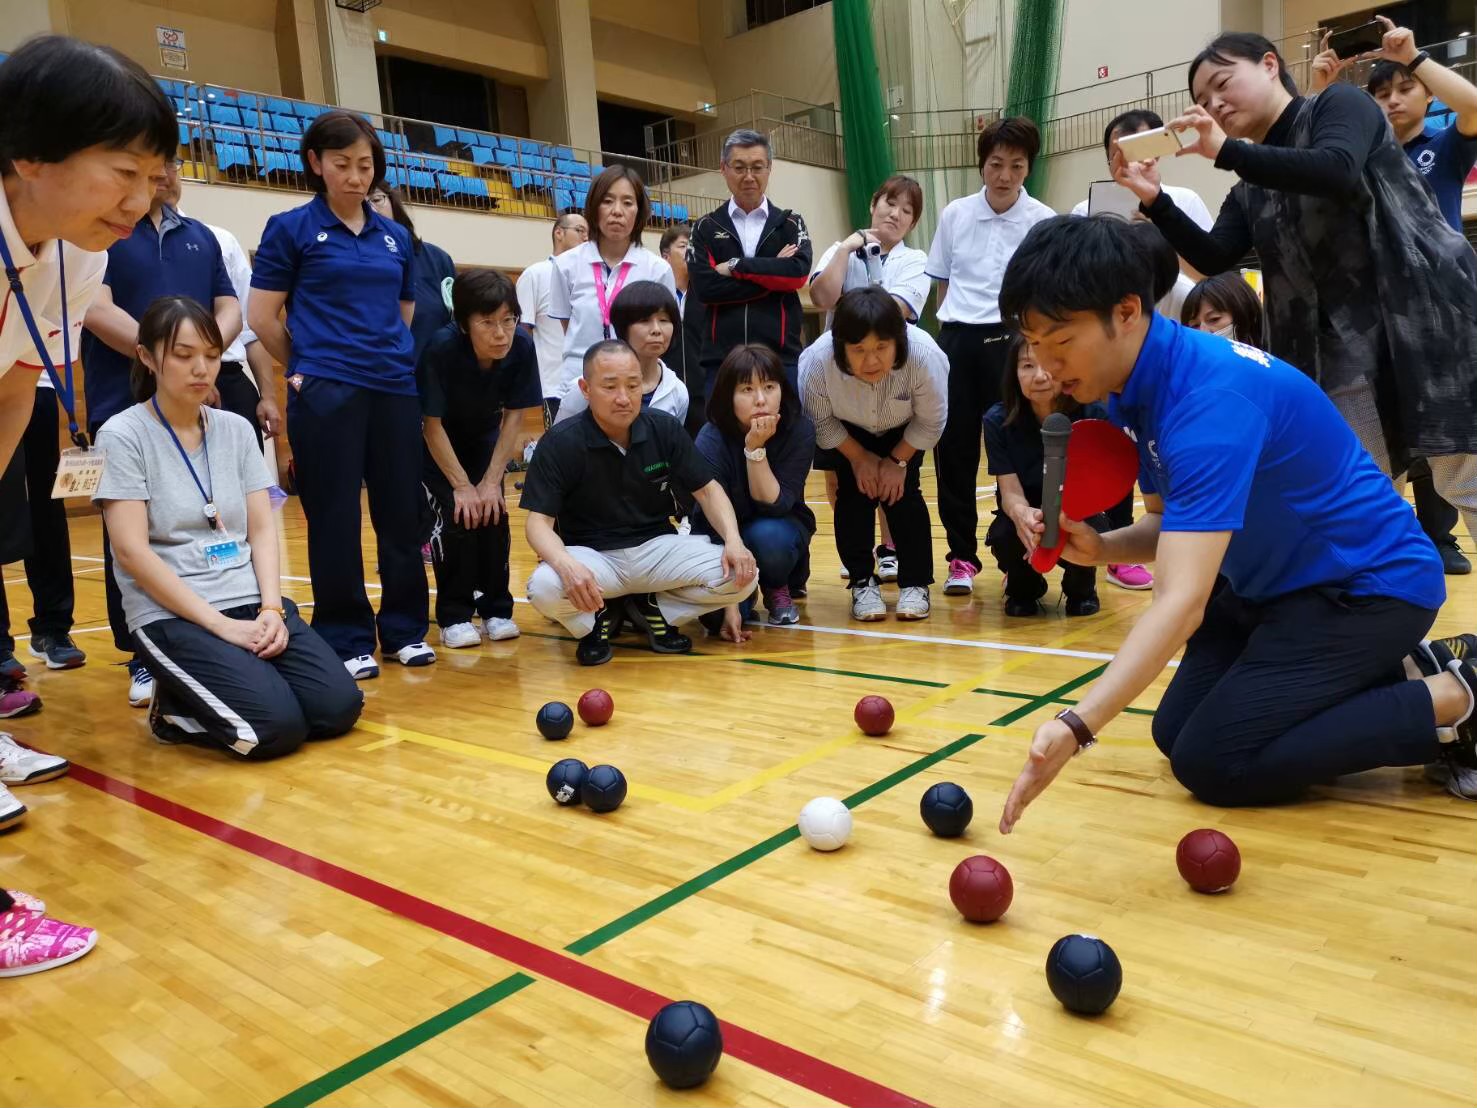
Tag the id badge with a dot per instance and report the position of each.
(223, 553)
(80, 473)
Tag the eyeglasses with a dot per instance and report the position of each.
(377, 198)
(740, 169)
(505, 325)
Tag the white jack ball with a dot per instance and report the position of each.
(825, 823)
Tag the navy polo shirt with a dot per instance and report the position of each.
(1016, 447)
(1236, 440)
(343, 295)
(434, 272)
(469, 400)
(182, 257)
(1444, 157)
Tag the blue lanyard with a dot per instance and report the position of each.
(66, 392)
(212, 517)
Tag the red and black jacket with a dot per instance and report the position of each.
(761, 301)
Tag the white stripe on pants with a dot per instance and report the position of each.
(684, 571)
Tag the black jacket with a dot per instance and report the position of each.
(761, 301)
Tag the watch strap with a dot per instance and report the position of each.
(1420, 58)
(1080, 730)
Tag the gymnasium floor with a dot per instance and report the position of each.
(403, 917)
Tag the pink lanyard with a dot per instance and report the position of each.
(606, 299)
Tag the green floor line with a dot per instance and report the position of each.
(388, 1051)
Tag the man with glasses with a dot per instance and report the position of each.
(747, 261)
(168, 254)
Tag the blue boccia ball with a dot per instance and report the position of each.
(565, 781)
(1084, 974)
(555, 720)
(946, 809)
(684, 1043)
(604, 789)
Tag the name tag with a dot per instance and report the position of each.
(80, 473)
(221, 553)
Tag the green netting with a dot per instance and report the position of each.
(864, 138)
(1033, 65)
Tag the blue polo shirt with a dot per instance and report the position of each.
(1444, 156)
(1235, 440)
(434, 272)
(182, 257)
(343, 295)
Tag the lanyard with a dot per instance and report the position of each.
(67, 392)
(606, 299)
(212, 517)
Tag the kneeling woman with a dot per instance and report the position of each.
(184, 496)
(877, 390)
(760, 443)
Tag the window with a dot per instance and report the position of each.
(760, 12)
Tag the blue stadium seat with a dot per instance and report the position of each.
(287, 124)
(224, 113)
(658, 209)
(468, 137)
(564, 167)
(276, 106)
(227, 157)
(579, 169)
(484, 139)
(421, 179)
(308, 111)
(396, 176)
(528, 146)
(244, 100)
(445, 136)
(508, 143)
(679, 212)
(474, 186)
(481, 155)
(563, 152)
(451, 183)
(563, 198)
(503, 157)
(184, 134)
(521, 180)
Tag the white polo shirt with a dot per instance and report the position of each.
(749, 225)
(238, 269)
(904, 275)
(39, 272)
(971, 248)
(548, 334)
(1186, 200)
(670, 396)
(572, 296)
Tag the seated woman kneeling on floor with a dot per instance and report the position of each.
(184, 494)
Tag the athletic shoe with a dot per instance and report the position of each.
(416, 654)
(1459, 646)
(1133, 577)
(661, 636)
(16, 701)
(781, 608)
(595, 649)
(1460, 756)
(10, 667)
(25, 902)
(1453, 562)
(31, 942)
(961, 578)
(1083, 605)
(1020, 608)
(912, 602)
(12, 811)
(362, 668)
(58, 651)
(499, 629)
(866, 602)
(140, 685)
(845, 574)
(20, 765)
(460, 635)
(886, 564)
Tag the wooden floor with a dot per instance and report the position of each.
(403, 917)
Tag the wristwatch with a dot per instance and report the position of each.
(895, 460)
(1420, 57)
(1080, 730)
(756, 455)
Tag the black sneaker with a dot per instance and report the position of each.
(11, 668)
(57, 651)
(1083, 605)
(1462, 646)
(1020, 607)
(1453, 562)
(595, 649)
(1460, 756)
(661, 636)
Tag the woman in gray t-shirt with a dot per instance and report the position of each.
(184, 497)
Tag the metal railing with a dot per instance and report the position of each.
(797, 130)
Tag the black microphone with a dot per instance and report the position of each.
(1055, 432)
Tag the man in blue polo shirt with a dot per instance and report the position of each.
(167, 255)
(1288, 567)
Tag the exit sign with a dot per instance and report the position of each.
(1102, 71)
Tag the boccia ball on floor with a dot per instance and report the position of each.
(595, 708)
(1208, 860)
(604, 789)
(825, 823)
(684, 1043)
(1084, 974)
(873, 715)
(555, 720)
(981, 889)
(565, 780)
(946, 809)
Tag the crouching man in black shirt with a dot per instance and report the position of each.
(609, 477)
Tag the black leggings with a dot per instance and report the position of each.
(856, 514)
(1273, 697)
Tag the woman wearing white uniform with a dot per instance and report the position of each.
(587, 279)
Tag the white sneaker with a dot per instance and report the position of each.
(887, 568)
(12, 811)
(866, 603)
(499, 629)
(961, 578)
(140, 687)
(459, 635)
(912, 602)
(416, 654)
(19, 766)
(362, 668)
(845, 574)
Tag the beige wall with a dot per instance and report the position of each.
(229, 43)
(499, 37)
(793, 57)
(23, 19)
(635, 66)
(1302, 16)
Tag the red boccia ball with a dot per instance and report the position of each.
(874, 715)
(596, 708)
(1208, 861)
(981, 889)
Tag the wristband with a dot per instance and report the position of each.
(1420, 57)
(897, 461)
(1080, 730)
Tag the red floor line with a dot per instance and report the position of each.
(783, 1061)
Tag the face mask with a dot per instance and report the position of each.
(1227, 332)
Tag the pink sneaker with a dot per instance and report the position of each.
(16, 701)
(961, 578)
(26, 902)
(31, 942)
(1136, 578)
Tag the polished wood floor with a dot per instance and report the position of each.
(403, 917)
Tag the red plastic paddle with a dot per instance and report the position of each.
(1102, 465)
